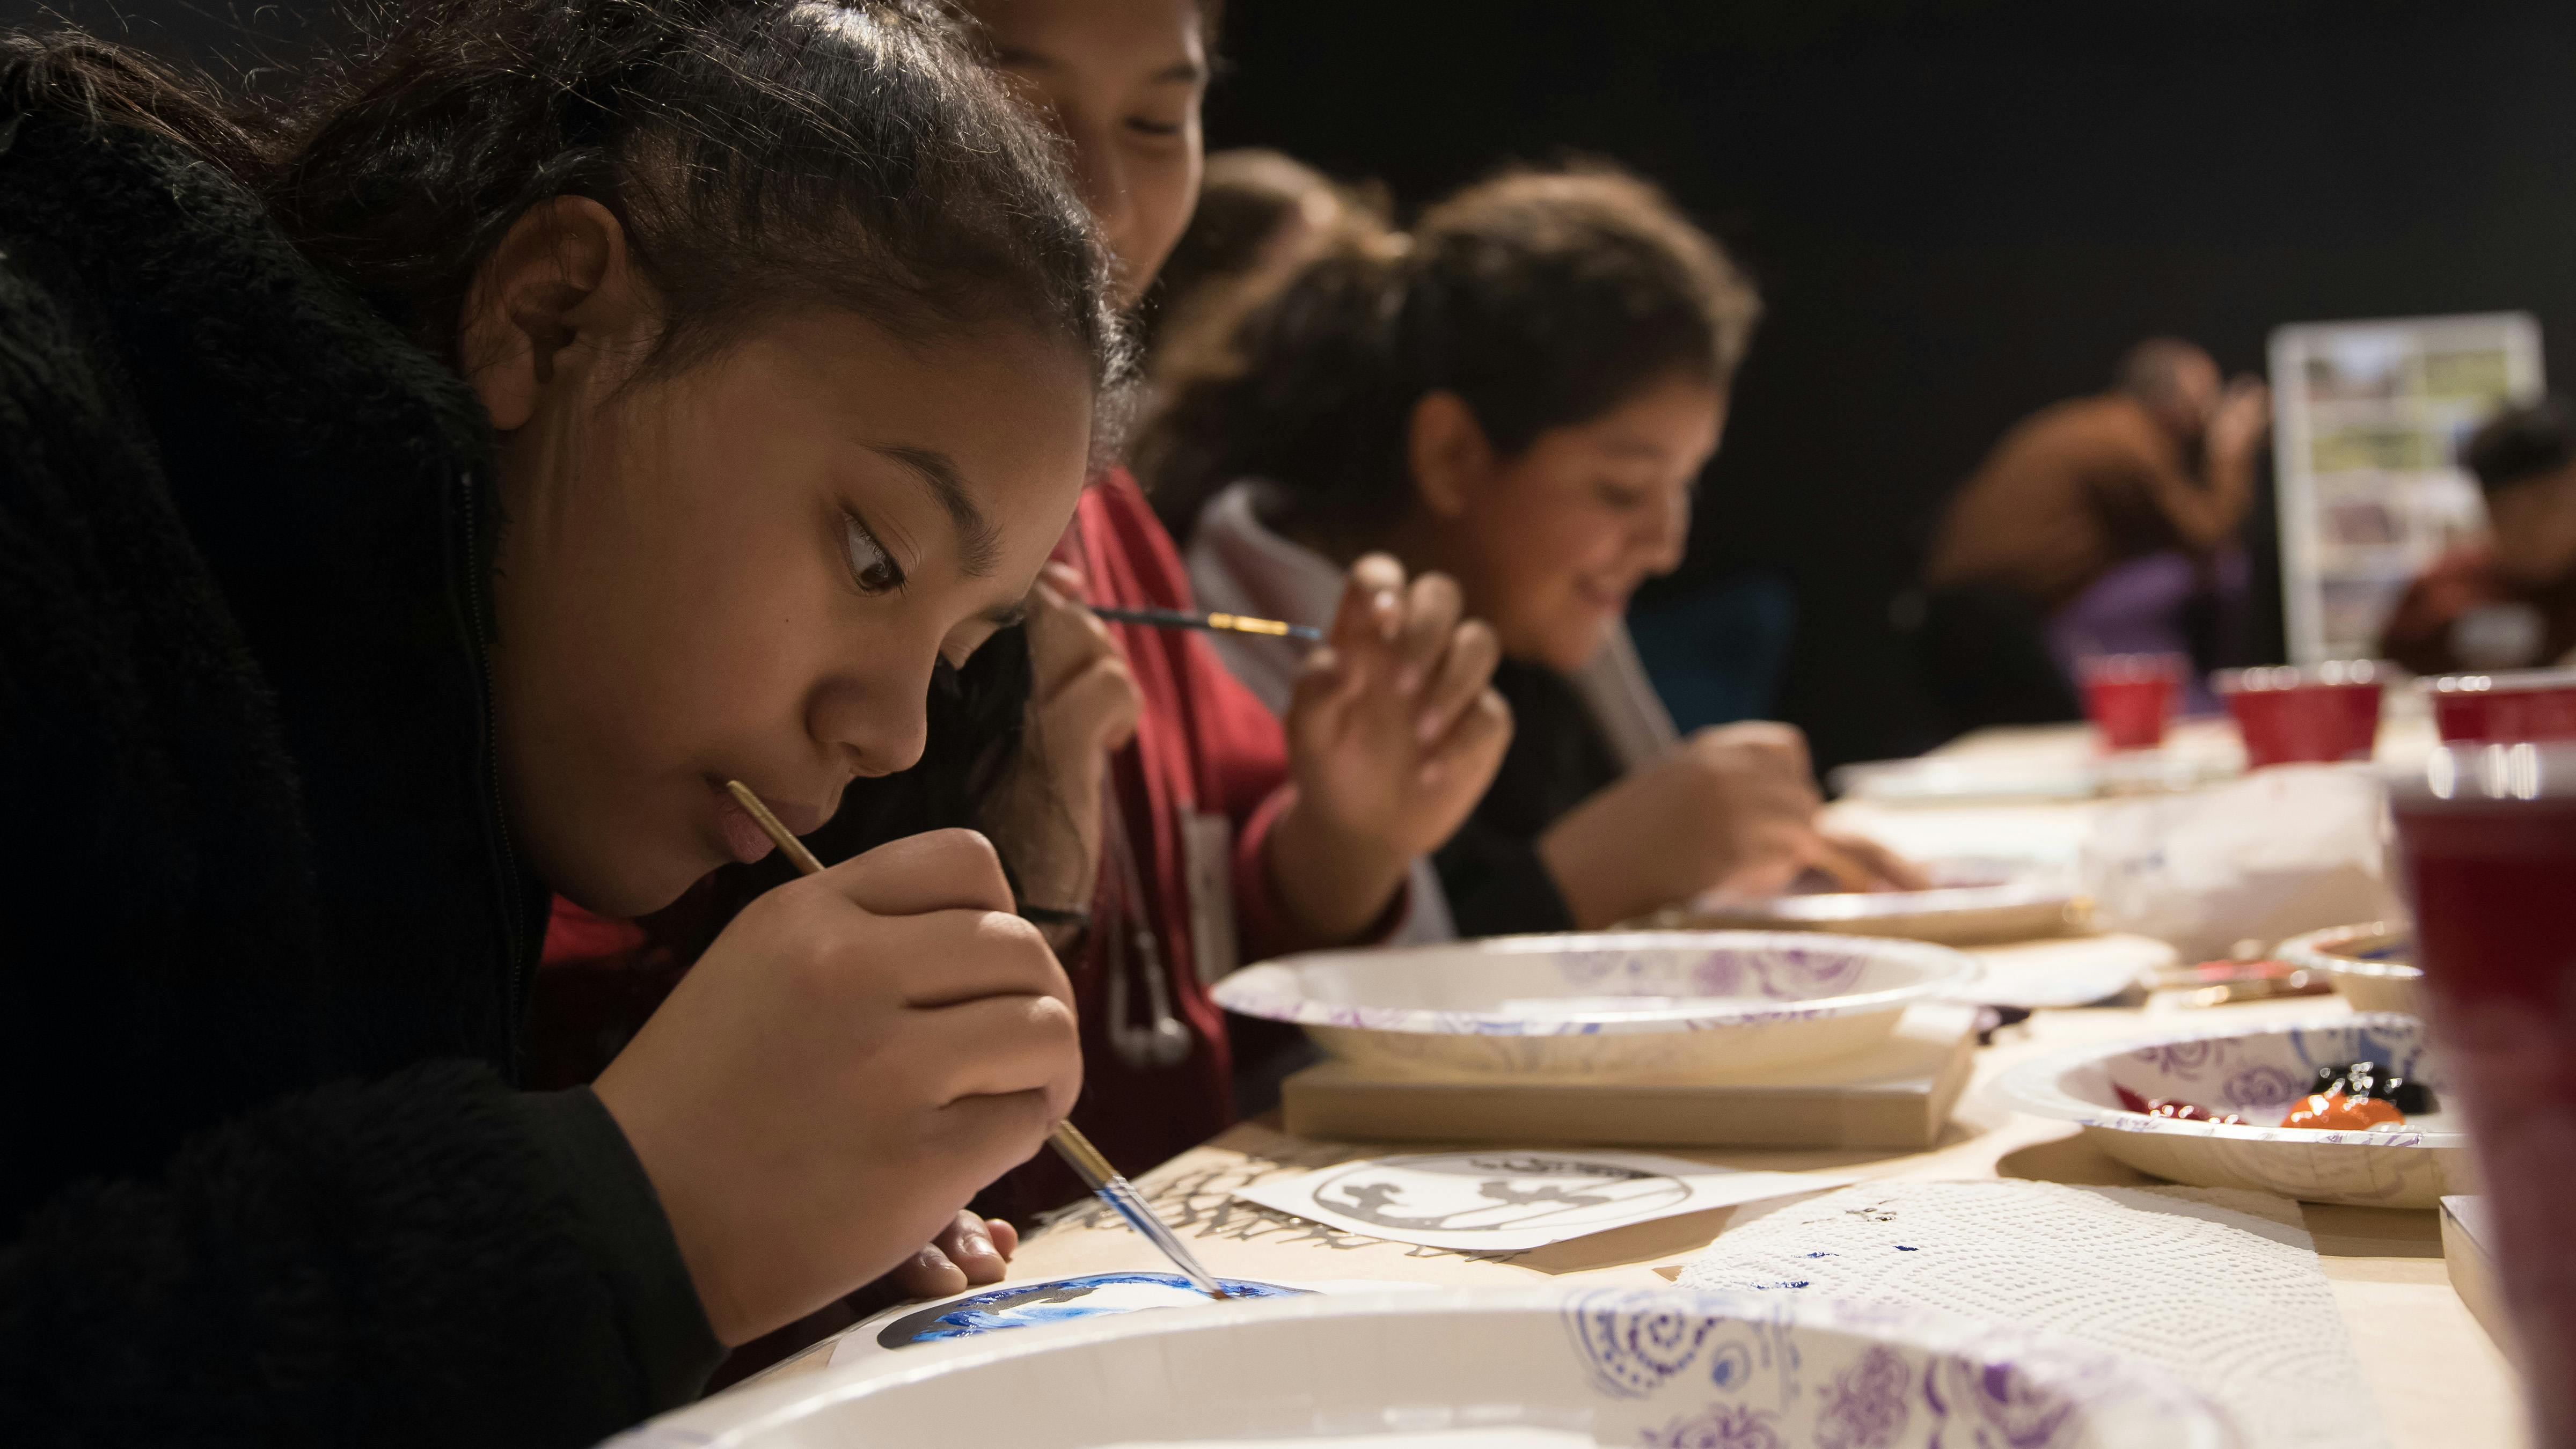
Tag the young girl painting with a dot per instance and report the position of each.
(1522, 395)
(426, 497)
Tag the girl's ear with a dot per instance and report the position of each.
(1450, 456)
(557, 285)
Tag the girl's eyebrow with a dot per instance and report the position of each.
(979, 543)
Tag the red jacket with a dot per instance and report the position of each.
(1204, 744)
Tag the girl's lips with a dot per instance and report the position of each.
(744, 840)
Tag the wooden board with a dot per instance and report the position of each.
(1897, 1096)
(2473, 1274)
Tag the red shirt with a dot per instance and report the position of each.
(1204, 745)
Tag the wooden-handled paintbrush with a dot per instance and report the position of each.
(1067, 1140)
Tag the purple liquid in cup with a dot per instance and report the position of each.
(2487, 840)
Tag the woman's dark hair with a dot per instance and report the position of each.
(1246, 197)
(762, 155)
(1541, 298)
(2521, 443)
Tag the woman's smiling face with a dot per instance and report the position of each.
(1550, 544)
(747, 568)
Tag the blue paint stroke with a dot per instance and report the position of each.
(1029, 1304)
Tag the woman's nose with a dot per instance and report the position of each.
(1101, 178)
(1664, 536)
(882, 724)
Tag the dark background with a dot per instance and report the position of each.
(1960, 210)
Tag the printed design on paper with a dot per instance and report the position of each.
(1471, 1192)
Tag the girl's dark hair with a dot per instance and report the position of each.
(1542, 298)
(762, 155)
(2521, 443)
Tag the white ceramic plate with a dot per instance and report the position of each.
(1530, 1369)
(2259, 1072)
(1644, 1003)
(2372, 964)
(1970, 903)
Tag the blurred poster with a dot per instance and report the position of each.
(2367, 423)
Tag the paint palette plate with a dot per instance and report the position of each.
(1682, 1005)
(1549, 1368)
(2372, 964)
(2257, 1072)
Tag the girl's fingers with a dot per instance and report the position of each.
(1465, 669)
(1848, 871)
(1372, 607)
(968, 1242)
(1324, 690)
(930, 1274)
(1891, 870)
(1474, 741)
(1006, 1238)
(1431, 612)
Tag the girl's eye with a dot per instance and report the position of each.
(1161, 130)
(870, 565)
(1620, 497)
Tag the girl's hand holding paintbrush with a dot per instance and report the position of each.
(1393, 736)
(941, 1031)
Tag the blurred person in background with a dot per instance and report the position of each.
(2507, 601)
(1261, 215)
(2100, 525)
(1522, 395)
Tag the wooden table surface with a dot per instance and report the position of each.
(2440, 1381)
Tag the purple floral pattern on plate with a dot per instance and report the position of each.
(1721, 1371)
(1866, 1405)
(1720, 1426)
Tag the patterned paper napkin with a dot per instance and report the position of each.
(2220, 1286)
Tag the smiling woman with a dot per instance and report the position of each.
(1522, 395)
(422, 498)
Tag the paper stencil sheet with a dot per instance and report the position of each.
(1509, 1200)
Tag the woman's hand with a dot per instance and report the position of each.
(859, 1054)
(1393, 736)
(1084, 705)
(968, 1253)
(1734, 808)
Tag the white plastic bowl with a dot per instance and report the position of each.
(1532, 1369)
(2369, 963)
(1691, 1004)
(2259, 1072)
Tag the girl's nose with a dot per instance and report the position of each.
(882, 722)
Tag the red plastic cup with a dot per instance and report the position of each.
(2523, 704)
(2487, 842)
(2304, 716)
(2130, 696)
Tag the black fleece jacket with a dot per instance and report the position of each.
(264, 1179)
